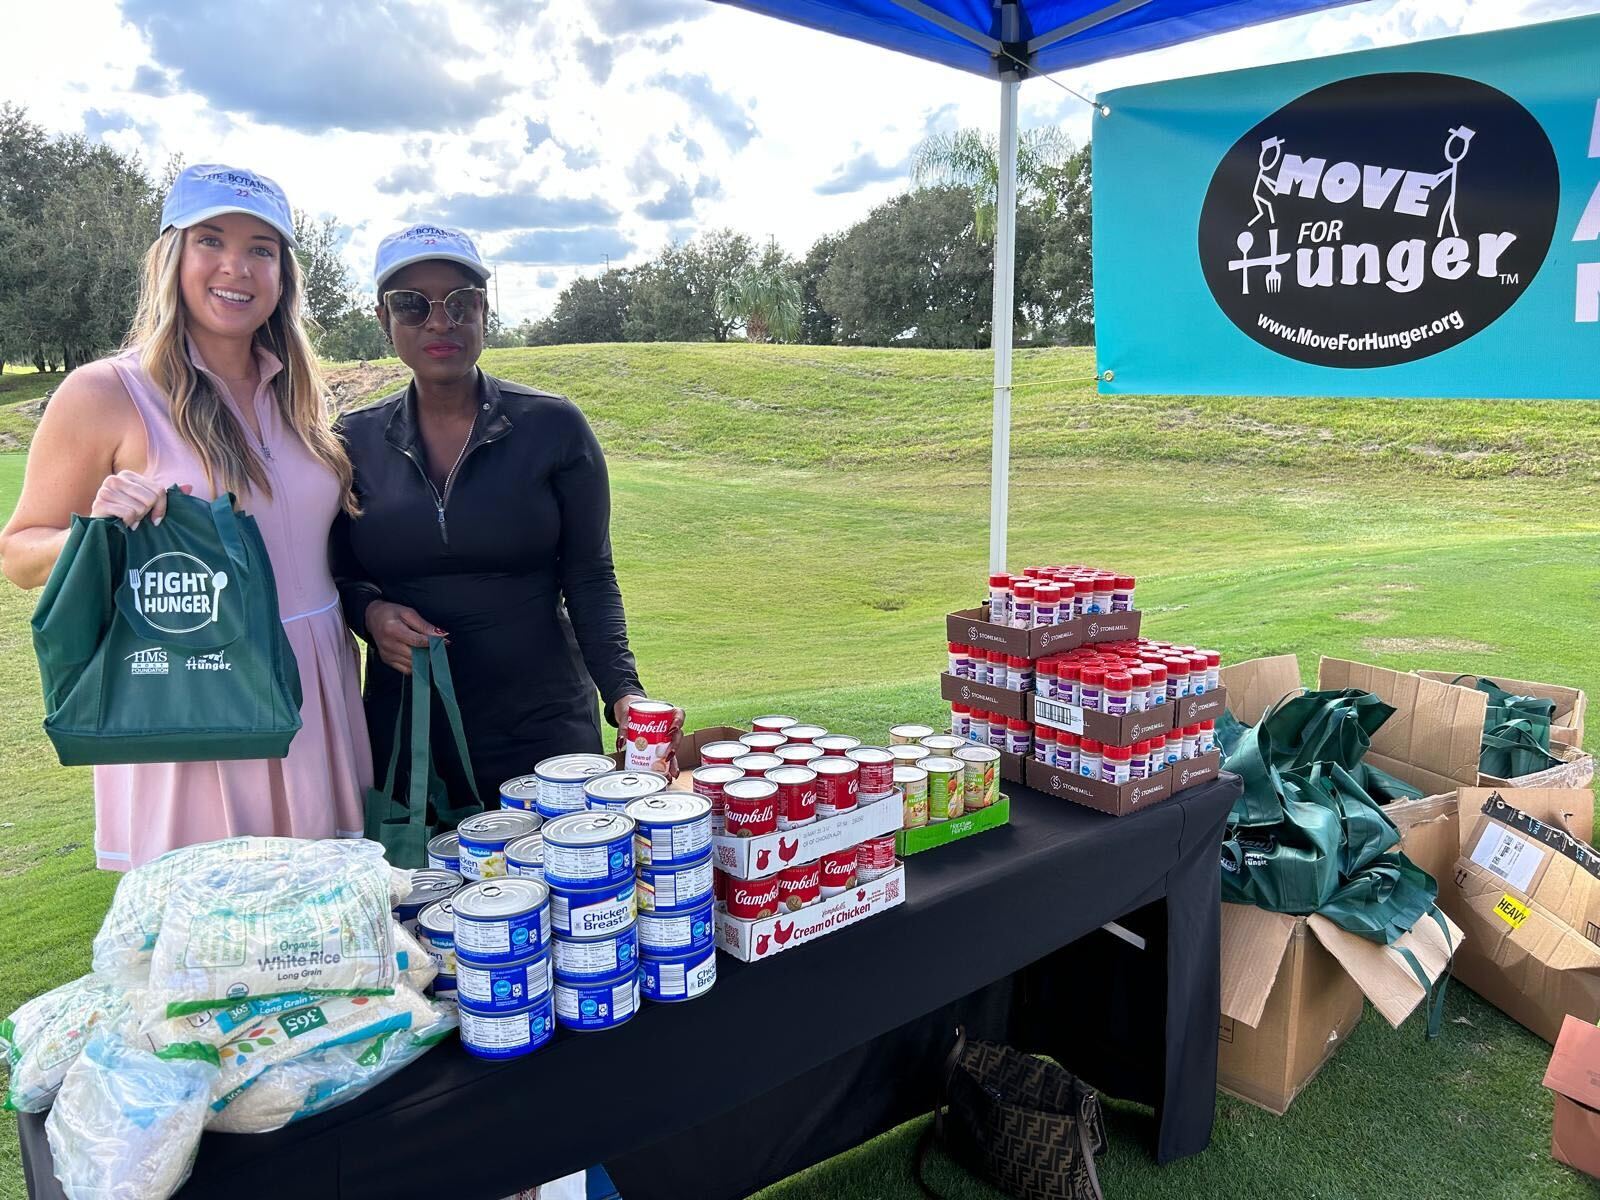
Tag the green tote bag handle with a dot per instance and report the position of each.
(402, 827)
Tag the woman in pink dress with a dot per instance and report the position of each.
(216, 390)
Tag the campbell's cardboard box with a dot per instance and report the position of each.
(759, 857)
(1526, 890)
(1574, 1077)
(754, 940)
(1292, 991)
(972, 627)
(1571, 704)
(1430, 742)
(1120, 799)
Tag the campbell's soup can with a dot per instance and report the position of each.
(944, 788)
(798, 754)
(762, 743)
(838, 785)
(909, 735)
(913, 785)
(799, 885)
(709, 782)
(756, 766)
(750, 807)
(837, 745)
(875, 857)
(877, 771)
(772, 724)
(804, 734)
(752, 899)
(837, 871)
(797, 795)
(722, 753)
(652, 729)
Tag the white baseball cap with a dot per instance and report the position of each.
(211, 189)
(418, 243)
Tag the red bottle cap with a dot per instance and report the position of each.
(957, 706)
(1191, 731)
(1125, 582)
(1021, 724)
(1090, 746)
(1000, 580)
(1119, 753)
(1094, 676)
(1023, 589)
(1016, 660)
(1070, 740)
(1119, 681)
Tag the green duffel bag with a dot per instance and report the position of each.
(163, 643)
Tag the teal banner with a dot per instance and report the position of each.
(1414, 221)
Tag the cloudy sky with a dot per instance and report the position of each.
(568, 133)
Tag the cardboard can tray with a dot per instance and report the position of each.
(941, 833)
(972, 627)
(760, 857)
(1120, 799)
(751, 941)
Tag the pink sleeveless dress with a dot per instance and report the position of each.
(317, 791)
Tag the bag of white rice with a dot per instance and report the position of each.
(42, 1038)
(215, 1026)
(128, 933)
(256, 929)
(127, 1123)
(332, 1021)
(328, 1076)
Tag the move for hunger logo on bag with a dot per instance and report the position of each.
(163, 643)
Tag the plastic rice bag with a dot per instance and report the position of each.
(128, 934)
(215, 1026)
(43, 1037)
(312, 923)
(126, 1124)
(333, 1021)
(329, 1076)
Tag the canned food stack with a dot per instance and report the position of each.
(787, 775)
(942, 776)
(676, 930)
(433, 887)
(588, 867)
(502, 935)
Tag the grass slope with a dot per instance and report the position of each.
(791, 525)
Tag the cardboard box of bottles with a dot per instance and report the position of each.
(971, 627)
(1120, 799)
(1128, 728)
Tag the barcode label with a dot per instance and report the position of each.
(1515, 859)
(671, 978)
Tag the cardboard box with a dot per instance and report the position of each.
(1574, 770)
(971, 627)
(752, 940)
(759, 857)
(942, 833)
(1011, 765)
(1527, 893)
(1119, 799)
(1574, 1076)
(1122, 730)
(1291, 995)
(1431, 741)
(1571, 704)
(1006, 702)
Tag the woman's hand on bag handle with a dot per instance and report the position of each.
(132, 497)
(395, 629)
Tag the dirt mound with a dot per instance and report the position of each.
(363, 381)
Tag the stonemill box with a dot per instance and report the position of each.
(1005, 701)
(972, 627)
(1119, 799)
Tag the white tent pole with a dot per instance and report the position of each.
(1005, 263)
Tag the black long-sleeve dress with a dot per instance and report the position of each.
(512, 560)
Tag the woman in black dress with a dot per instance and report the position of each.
(486, 514)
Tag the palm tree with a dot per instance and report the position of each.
(970, 158)
(765, 300)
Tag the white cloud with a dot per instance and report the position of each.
(746, 117)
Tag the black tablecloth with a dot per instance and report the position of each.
(787, 1061)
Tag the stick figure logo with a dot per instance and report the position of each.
(1379, 219)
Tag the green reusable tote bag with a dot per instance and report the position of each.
(401, 824)
(163, 643)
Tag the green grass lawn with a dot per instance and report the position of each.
(791, 524)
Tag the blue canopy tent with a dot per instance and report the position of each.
(1009, 40)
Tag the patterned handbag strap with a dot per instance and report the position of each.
(1089, 1116)
(936, 1126)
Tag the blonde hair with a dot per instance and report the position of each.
(209, 427)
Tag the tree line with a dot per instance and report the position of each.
(76, 217)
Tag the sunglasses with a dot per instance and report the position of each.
(413, 308)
